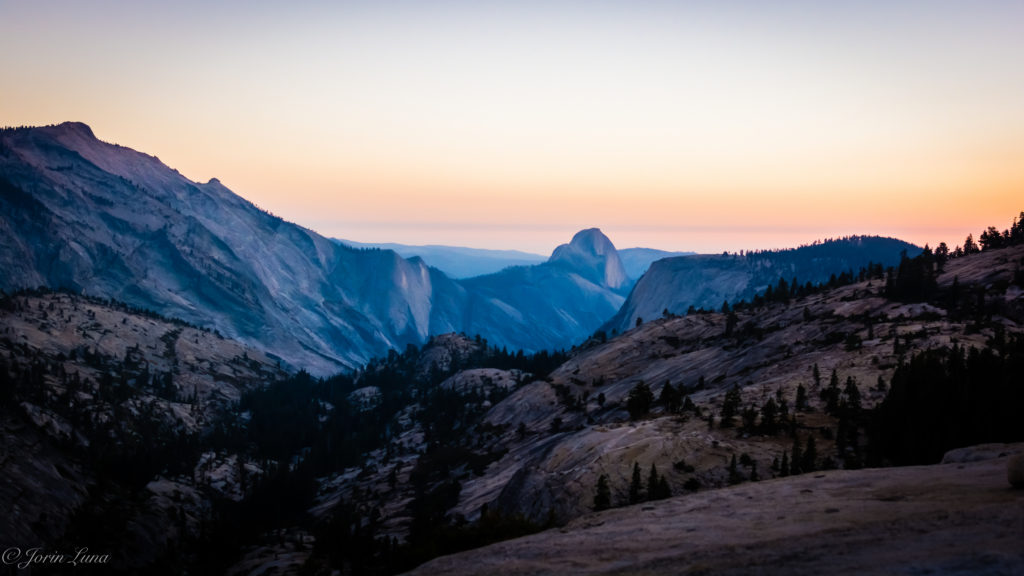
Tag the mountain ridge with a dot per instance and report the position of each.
(457, 262)
(707, 280)
(86, 215)
(426, 451)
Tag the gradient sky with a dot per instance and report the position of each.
(703, 126)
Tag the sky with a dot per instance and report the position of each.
(704, 126)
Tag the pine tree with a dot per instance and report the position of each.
(652, 483)
(801, 398)
(969, 246)
(852, 393)
(941, 256)
(831, 394)
(730, 405)
(731, 320)
(810, 456)
(639, 401)
(734, 473)
(795, 457)
(671, 397)
(664, 490)
(769, 413)
(635, 485)
(603, 496)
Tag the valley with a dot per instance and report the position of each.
(457, 444)
(191, 384)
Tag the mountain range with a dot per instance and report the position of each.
(84, 215)
(158, 407)
(457, 261)
(462, 262)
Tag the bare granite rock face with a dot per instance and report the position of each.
(954, 518)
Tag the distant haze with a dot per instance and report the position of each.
(672, 125)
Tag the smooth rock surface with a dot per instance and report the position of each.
(957, 518)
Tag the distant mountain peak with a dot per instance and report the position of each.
(593, 241)
(593, 254)
(79, 128)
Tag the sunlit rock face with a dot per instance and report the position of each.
(707, 280)
(89, 216)
(85, 215)
(593, 256)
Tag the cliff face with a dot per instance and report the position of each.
(84, 215)
(706, 280)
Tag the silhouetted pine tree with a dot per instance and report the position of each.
(635, 486)
(603, 495)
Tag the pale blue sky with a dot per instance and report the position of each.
(680, 125)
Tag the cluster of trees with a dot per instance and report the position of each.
(656, 488)
(993, 239)
(800, 459)
(949, 398)
(675, 399)
(772, 417)
(914, 279)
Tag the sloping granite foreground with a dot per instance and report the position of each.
(959, 517)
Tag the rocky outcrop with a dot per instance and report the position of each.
(948, 518)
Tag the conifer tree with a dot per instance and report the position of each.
(809, 460)
(969, 246)
(635, 485)
(603, 496)
(769, 414)
(801, 398)
(652, 482)
(795, 457)
(664, 490)
(734, 473)
(639, 401)
(852, 394)
(730, 405)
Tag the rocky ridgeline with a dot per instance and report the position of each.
(96, 218)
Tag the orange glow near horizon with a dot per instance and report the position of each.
(512, 126)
